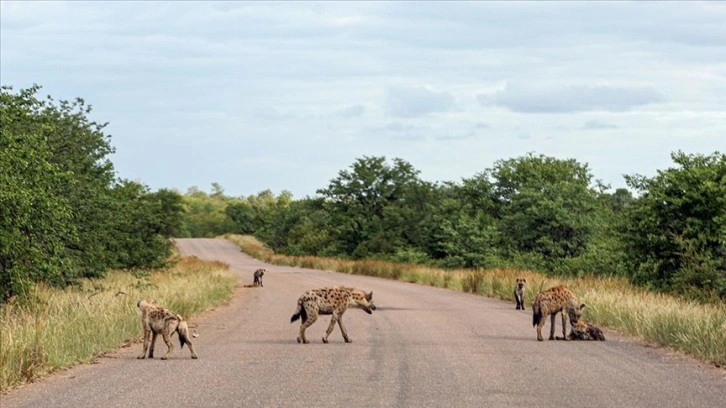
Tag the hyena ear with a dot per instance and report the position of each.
(369, 296)
(582, 306)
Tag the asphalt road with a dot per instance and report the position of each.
(423, 347)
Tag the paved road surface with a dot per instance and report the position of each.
(423, 347)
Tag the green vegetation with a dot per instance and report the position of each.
(659, 319)
(533, 212)
(56, 328)
(63, 214)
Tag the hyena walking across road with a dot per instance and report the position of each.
(555, 300)
(157, 320)
(330, 301)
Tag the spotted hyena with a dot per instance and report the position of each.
(584, 331)
(519, 292)
(258, 277)
(157, 320)
(330, 301)
(555, 300)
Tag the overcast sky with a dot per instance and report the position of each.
(284, 95)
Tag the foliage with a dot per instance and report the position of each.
(531, 212)
(63, 213)
(676, 230)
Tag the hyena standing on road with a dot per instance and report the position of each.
(330, 301)
(555, 300)
(258, 277)
(157, 320)
(519, 292)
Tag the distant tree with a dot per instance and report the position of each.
(544, 206)
(675, 231)
(374, 207)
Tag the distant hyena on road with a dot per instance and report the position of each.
(258, 277)
(555, 300)
(330, 301)
(519, 292)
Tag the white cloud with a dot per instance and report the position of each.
(573, 98)
(598, 125)
(417, 101)
(190, 88)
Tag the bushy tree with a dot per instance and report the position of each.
(375, 207)
(544, 206)
(675, 231)
(63, 214)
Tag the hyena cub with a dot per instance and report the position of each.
(330, 301)
(519, 292)
(584, 331)
(157, 320)
(555, 300)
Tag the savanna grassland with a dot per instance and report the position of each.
(55, 328)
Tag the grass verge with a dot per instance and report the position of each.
(662, 320)
(55, 329)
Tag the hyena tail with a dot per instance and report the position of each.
(299, 313)
(183, 331)
(536, 313)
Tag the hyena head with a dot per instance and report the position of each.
(362, 300)
(520, 283)
(575, 312)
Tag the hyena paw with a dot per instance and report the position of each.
(348, 340)
(194, 357)
(325, 340)
(141, 357)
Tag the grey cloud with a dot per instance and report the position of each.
(350, 111)
(398, 127)
(482, 125)
(416, 101)
(579, 98)
(598, 125)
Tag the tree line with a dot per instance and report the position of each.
(533, 212)
(64, 214)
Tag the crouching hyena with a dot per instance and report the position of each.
(519, 292)
(584, 331)
(555, 300)
(157, 320)
(330, 301)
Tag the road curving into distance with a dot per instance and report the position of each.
(422, 347)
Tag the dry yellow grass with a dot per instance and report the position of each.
(55, 328)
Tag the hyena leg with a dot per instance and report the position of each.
(564, 326)
(342, 329)
(166, 335)
(552, 325)
(312, 317)
(331, 326)
(153, 343)
(147, 336)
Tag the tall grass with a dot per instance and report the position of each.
(54, 328)
(658, 319)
